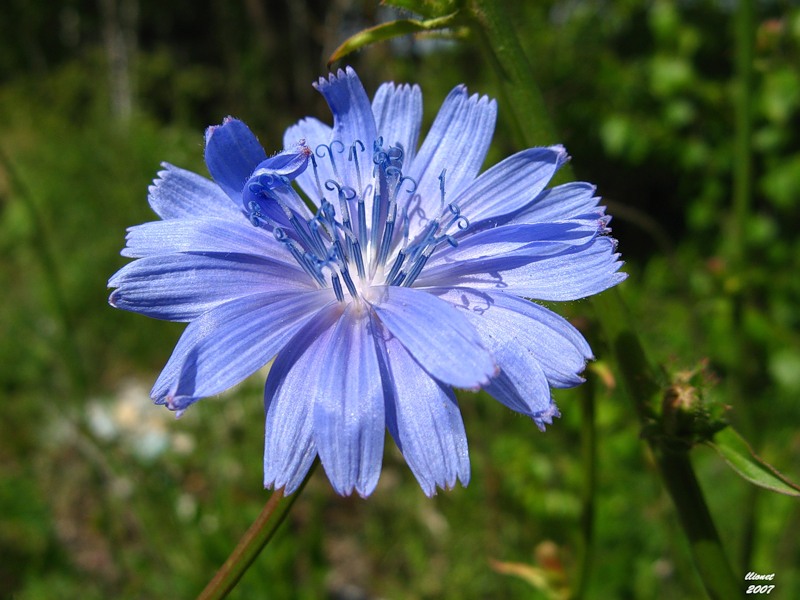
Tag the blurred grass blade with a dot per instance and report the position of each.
(740, 456)
(426, 8)
(387, 31)
(539, 578)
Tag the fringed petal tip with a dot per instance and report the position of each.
(348, 72)
(286, 489)
(462, 90)
(546, 416)
(562, 156)
(431, 490)
(603, 221)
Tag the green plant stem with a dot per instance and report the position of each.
(520, 95)
(589, 456)
(742, 371)
(743, 163)
(642, 385)
(707, 552)
(252, 542)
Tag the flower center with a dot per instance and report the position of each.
(380, 234)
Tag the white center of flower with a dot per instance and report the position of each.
(370, 229)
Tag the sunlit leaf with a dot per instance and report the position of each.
(740, 456)
(387, 31)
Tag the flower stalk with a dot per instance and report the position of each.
(252, 543)
(672, 455)
(589, 458)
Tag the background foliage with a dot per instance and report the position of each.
(103, 495)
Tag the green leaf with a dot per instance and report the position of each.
(740, 457)
(386, 31)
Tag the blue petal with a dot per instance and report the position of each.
(575, 273)
(423, 418)
(312, 133)
(398, 117)
(178, 193)
(457, 143)
(347, 394)
(204, 235)
(288, 163)
(529, 395)
(229, 343)
(505, 391)
(524, 338)
(562, 202)
(181, 287)
(507, 241)
(271, 181)
(352, 120)
(534, 348)
(510, 184)
(436, 335)
(289, 447)
(232, 153)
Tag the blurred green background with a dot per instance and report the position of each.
(104, 496)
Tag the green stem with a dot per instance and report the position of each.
(743, 165)
(589, 454)
(520, 95)
(252, 542)
(742, 371)
(642, 386)
(709, 558)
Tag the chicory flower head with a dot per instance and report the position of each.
(408, 277)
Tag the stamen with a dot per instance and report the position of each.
(395, 155)
(329, 246)
(348, 281)
(362, 220)
(388, 230)
(337, 287)
(255, 214)
(303, 234)
(379, 157)
(441, 187)
(394, 173)
(329, 147)
(327, 217)
(354, 157)
(426, 238)
(401, 181)
(355, 251)
(343, 199)
(316, 236)
(398, 262)
(303, 258)
(463, 222)
(316, 175)
(416, 269)
(258, 218)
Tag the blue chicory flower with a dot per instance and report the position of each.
(409, 277)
